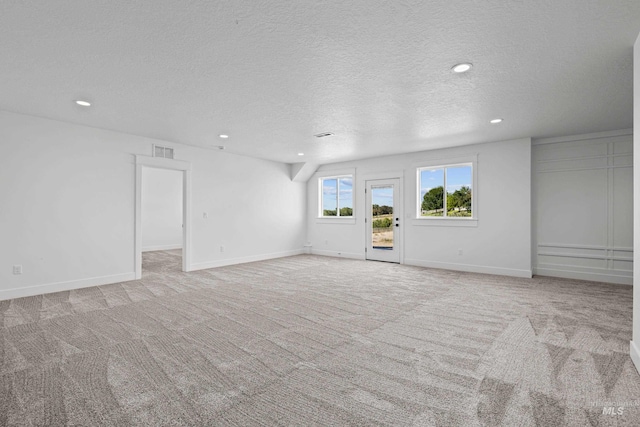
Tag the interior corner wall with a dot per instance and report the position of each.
(161, 209)
(67, 212)
(499, 244)
(635, 343)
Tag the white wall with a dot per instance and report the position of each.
(635, 344)
(161, 209)
(67, 210)
(501, 241)
(582, 215)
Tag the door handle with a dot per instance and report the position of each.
(397, 225)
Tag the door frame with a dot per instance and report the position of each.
(403, 220)
(162, 163)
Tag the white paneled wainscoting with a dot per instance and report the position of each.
(583, 207)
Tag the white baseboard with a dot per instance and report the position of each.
(350, 255)
(242, 260)
(65, 286)
(635, 355)
(581, 275)
(160, 248)
(469, 268)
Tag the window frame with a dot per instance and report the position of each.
(444, 220)
(337, 177)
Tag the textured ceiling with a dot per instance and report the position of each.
(273, 73)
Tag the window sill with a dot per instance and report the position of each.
(446, 222)
(336, 220)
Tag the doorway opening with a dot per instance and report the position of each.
(162, 220)
(162, 215)
(383, 207)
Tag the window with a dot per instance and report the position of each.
(445, 191)
(336, 196)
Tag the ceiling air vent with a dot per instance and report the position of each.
(165, 152)
(323, 135)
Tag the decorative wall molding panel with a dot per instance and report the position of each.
(583, 207)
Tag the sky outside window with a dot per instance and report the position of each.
(329, 194)
(429, 179)
(382, 196)
(346, 193)
(458, 177)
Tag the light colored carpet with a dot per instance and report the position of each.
(311, 340)
(176, 252)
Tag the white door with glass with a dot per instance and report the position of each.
(383, 220)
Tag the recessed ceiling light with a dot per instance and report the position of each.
(462, 68)
(323, 134)
(300, 154)
(496, 121)
(83, 103)
(223, 136)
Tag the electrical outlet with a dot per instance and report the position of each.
(459, 251)
(17, 269)
(205, 215)
(221, 248)
(326, 242)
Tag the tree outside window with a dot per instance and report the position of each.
(456, 201)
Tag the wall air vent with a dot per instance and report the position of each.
(165, 152)
(323, 135)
